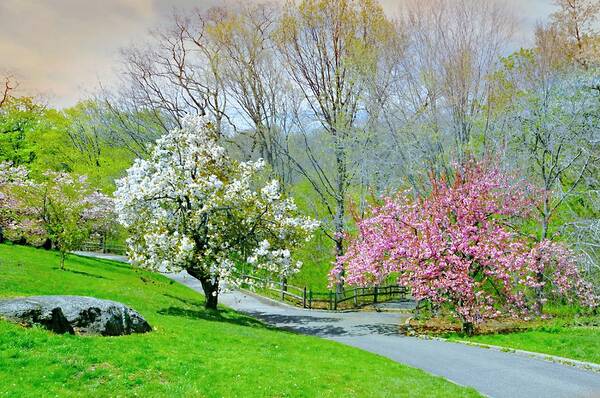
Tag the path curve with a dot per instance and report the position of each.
(493, 373)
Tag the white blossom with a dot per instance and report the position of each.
(190, 206)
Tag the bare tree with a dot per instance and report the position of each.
(331, 48)
(7, 87)
(254, 80)
(454, 46)
(177, 73)
(557, 137)
(86, 133)
(551, 50)
(575, 21)
(121, 121)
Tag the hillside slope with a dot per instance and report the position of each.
(191, 352)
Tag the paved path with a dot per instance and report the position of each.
(493, 373)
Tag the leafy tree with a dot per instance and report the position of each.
(575, 22)
(18, 118)
(192, 207)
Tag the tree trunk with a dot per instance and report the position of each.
(211, 293)
(62, 260)
(339, 250)
(211, 289)
(539, 291)
(468, 328)
(340, 211)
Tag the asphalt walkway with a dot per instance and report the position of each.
(493, 373)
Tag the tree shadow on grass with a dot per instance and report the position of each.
(189, 302)
(213, 316)
(81, 273)
(93, 261)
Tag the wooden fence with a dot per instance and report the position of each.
(100, 247)
(349, 298)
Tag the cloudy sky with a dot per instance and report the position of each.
(62, 49)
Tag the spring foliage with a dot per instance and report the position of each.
(458, 248)
(58, 208)
(190, 206)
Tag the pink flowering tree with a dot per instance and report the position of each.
(68, 209)
(60, 208)
(18, 222)
(457, 248)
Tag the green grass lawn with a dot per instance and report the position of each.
(314, 276)
(581, 343)
(318, 257)
(191, 352)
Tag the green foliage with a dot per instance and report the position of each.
(61, 209)
(317, 257)
(191, 352)
(18, 117)
(47, 139)
(318, 254)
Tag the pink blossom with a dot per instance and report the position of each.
(457, 247)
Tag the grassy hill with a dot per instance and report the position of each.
(191, 352)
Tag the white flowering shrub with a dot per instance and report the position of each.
(190, 206)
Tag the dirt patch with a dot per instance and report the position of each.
(445, 326)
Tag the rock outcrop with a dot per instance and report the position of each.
(74, 315)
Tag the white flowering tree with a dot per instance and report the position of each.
(190, 206)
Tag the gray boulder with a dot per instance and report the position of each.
(74, 315)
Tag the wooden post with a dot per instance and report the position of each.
(304, 297)
(310, 299)
(283, 288)
(330, 300)
(375, 295)
(355, 297)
